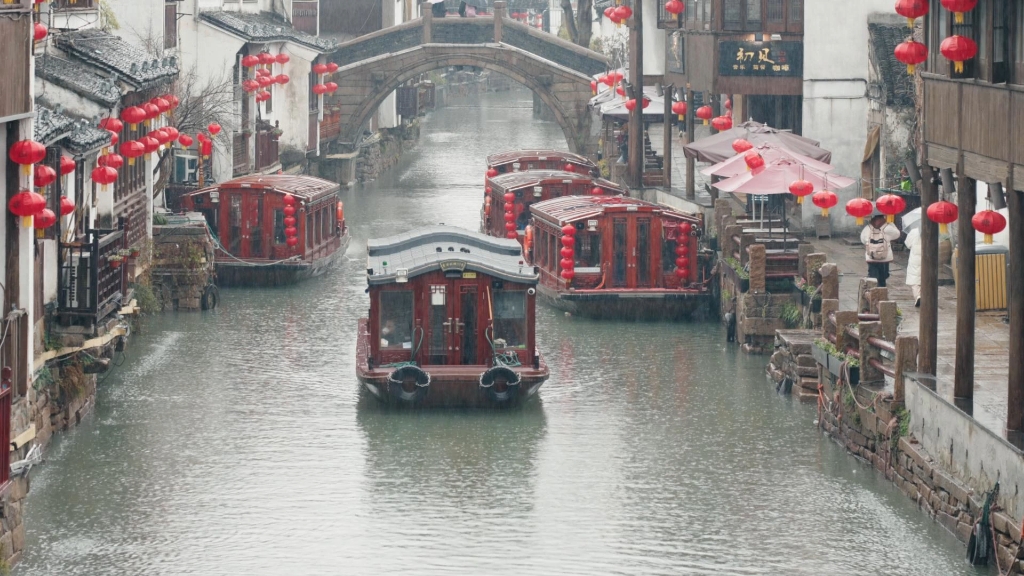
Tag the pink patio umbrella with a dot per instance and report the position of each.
(718, 147)
(770, 152)
(776, 177)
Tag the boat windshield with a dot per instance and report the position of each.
(510, 318)
(396, 319)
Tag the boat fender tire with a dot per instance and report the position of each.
(501, 383)
(399, 384)
(211, 296)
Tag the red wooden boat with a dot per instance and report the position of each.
(528, 188)
(258, 243)
(451, 321)
(619, 257)
(520, 160)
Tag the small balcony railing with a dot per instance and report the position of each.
(92, 285)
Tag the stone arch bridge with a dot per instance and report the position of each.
(373, 66)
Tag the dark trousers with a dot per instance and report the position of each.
(879, 271)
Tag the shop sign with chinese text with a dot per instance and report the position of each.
(782, 59)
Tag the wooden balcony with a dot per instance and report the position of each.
(266, 150)
(330, 128)
(91, 287)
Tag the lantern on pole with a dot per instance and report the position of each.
(825, 199)
(859, 208)
(890, 205)
(674, 7)
(705, 113)
(989, 223)
(911, 53)
(104, 175)
(721, 123)
(679, 108)
(958, 49)
(943, 213)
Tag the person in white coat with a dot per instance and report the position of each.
(913, 242)
(877, 238)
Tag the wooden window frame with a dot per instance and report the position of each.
(786, 24)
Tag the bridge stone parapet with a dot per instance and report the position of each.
(559, 72)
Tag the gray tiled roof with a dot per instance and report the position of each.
(112, 54)
(423, 250)
(265, 27)
(78, 79)
(77, 135)
(899, 85)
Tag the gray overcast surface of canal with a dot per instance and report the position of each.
(237, 442)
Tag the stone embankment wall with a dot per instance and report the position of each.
(383, 152)
(183, 266)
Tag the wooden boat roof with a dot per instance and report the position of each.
(445, 247)
(535, 155)
(573, 208)
(516, 180)
(302, 187)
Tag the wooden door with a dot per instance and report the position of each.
(643, 248)
(466, 323)
(255, 244)
(620, 252)
(231, 225)
(631, 256)
(439, 333)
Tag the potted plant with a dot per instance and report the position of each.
(115, 260)
(134, 253)
(832, 359)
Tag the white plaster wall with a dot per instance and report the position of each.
(654, 41)
(140, 22)
(73, 103)
(291, 101)
(387, 112)
(3, 221)
(836, 74)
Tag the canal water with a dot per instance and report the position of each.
(237, 442)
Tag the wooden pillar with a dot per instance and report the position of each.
(636, 78)
(963, 382)
(691, 164)
(928, 328)
(667, 142)
(1015, 383)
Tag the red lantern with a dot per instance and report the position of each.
(890, 205)
(911, 9)
(609, 13)
(44, 219)
(332, 87)
(151, 110)
(740, 145)
(266, 58)
(911, 53)
(332, 67)
(801, 188)
(185, 140)
(958, 7)
(566, 252)
(26, 204)
(754, 160)
(66, 206)
(283, 58)
(620, 91)
(26, 153)
(605, 78)
(131, 150)
(623, 13)
(682, 250)
(825, 199)
(289, 221)
(569, 230)
(112, 124)
(133, 115)
(596, 191)
(159, 135)
(282, 79)
(104, 175)
(291, 231)
(943, 213)
(114, 161)
(679, 108)
(988, 222)
(39, 32)
(250, 86)
(509, 197)
(67, 165)
(568, 241)
(319, 89)
(631, 104)
(43, 176)
(214, 128)
(250, 61)
(721, 123)
(320, 68)
(292, 241)
(162, 105)
(172, 99)
(568, 275)
(509, 207)
(114, 138)
(705, 113)
(684, 229)
(859, 208)
(262, 72)
(674, 7)
(264, 81)
(957, 49)
(288, 210)
(288, 200)
(491, 172)
(728, 104)
(172, 134)
(149, 144)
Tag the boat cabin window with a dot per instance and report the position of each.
(552, 251)
(588, 249)
(309, 229)
(510, 319)
(279, 227)
(668, 250)
(235, 223)
(541, 247)
(325, 228)
(319, 225)
(396, 319)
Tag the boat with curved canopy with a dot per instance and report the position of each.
(523, 160)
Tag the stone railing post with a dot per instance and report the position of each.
(829, 281)
(729, 247)
(887, 316)
(906, 361)
(746, 241)
(828, 307)
(811, 265)
(869, 373)
(802, 251)
(500, 10)
(757, 259)
(428, 21)
(843, 319)
(875, 297)
(722, 209)
(865, 284)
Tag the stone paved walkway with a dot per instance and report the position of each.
(991, 364)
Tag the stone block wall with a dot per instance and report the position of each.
(182, 266)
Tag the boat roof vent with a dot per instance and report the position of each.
(451, 248)
(464, 250)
